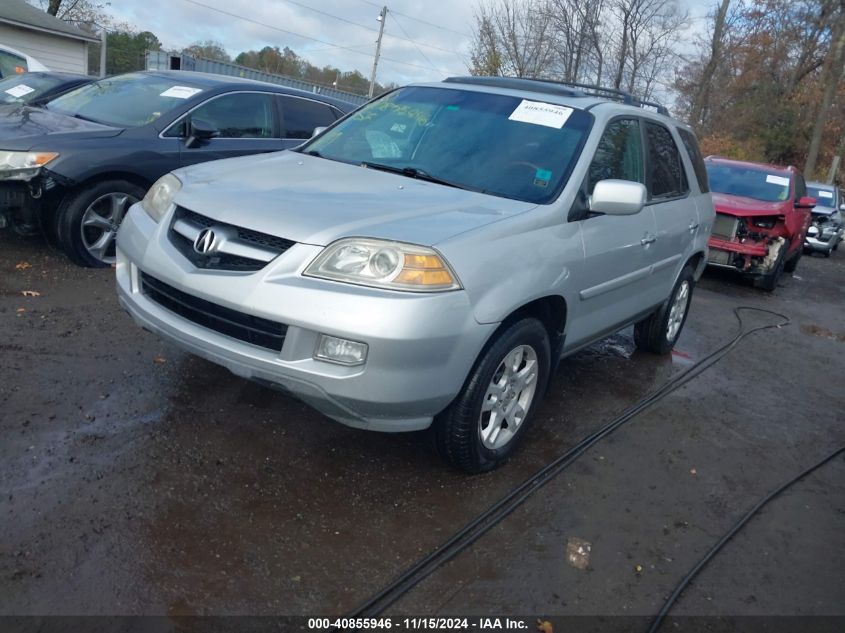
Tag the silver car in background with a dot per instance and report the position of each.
(825, 233)
(430, 258)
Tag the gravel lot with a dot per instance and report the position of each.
(139, 480)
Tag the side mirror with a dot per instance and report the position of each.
(618, 197)
(805, 203)
(198, 131)
(318, 130)
(842, 207)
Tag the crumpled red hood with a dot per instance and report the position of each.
(744, 207)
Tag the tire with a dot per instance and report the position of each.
(792, 263)
(87, 220)
(769, 281)
(654, 334)
(827, 252)
(465, 432)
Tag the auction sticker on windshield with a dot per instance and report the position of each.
(539, 113)
(822, 194)
(777, 180)
(20, 90)
(180, 92)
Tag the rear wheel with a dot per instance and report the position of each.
(88, 220)
(483, 425)
(658, 332)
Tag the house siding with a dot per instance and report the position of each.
(57, 53)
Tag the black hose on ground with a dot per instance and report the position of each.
(491, 517)
(667, 606)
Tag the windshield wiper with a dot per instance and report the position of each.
(413, 172)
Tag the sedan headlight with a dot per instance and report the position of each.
(160, 196)
(23, 165)
(384, 264)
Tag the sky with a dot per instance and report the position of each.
(425, 40)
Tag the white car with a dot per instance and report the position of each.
(13, 62)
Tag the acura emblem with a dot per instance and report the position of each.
(204, 243)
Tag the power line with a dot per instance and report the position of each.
(399, 24)
(305, 37)
(407, 37)
(411, 17)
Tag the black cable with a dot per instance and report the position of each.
(729, 535)
(476, 528)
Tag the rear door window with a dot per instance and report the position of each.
(694, 153)
(619, 154)
(666, 177)
(301, 116)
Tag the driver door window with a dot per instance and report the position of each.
(619, 154)
(237, 115)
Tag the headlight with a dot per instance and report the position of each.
(384, 264)
(158, 198)
(23, 165)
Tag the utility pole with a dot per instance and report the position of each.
(103, 42)
(382, 17)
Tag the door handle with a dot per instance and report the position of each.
(693, 226)
(648, 239)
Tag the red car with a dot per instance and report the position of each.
(762, 215)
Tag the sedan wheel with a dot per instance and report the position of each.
(88, 219)
(100, 222)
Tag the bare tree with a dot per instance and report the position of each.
(512, 38)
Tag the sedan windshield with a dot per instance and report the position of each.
(124, 101)
(26, 88)
(748, 182)
(496, 144)
(824, 196)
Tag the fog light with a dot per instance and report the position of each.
(340, 350)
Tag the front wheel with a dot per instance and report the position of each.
(792, 264)
(659, 331)
(88, 220)
(483, 425)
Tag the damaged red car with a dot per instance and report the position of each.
(762, 215)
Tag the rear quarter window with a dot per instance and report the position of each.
(694, 153)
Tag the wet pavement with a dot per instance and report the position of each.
(139, 480)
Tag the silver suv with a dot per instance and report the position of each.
(430, 258)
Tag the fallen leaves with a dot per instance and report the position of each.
(693, 472)
(22, 265)
(159, 360)
(638, 569)
(30, 293)
(544, 626)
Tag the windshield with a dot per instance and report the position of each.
(26, 88)
(748, 182)
(495, 144)
(124, 101)
(824, 196)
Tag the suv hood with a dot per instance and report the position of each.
(22, 127)
(317, 201)
(746, 207)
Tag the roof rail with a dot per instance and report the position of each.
(564, 88)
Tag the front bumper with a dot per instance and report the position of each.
(824, 243)
(421, 347)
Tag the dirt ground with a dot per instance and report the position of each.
(139, 480)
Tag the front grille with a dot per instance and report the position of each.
(244, 327)
(724, 227)
(275, 246)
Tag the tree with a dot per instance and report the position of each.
(209, 49)
(126, 51)
(513, 38)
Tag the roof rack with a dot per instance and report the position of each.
(563, 88)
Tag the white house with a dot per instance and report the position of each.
(55, 43)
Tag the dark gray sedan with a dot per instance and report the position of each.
(73, 167)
